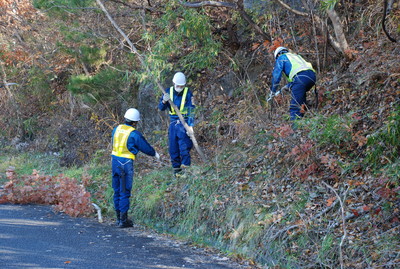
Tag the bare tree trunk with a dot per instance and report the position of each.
(339, 33)
(144, 65)
(340, 43)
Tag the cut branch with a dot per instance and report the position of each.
(144, 65)
(343, 224)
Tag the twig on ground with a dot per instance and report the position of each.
(343, 223)
(326, 210)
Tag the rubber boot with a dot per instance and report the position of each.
(117, 213)
(125, 222)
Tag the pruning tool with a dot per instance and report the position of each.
(7, 84)
(281, 91)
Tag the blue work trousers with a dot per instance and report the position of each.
(122, 179)
(180, 144)
(301, 84)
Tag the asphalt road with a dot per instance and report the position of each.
(33, 236)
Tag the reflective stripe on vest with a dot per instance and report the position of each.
(183, 101)
(298, 65)
(120, 140)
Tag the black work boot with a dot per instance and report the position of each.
(177, 172)
(117, 212)
(125, 222)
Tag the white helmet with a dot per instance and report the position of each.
(132, 114)
(279, 50)
(179, 79)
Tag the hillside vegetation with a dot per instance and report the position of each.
(325, 195)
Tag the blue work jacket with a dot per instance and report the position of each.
(177, 99)
(284, 66)
(136, 142)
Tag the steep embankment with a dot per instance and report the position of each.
(323, 196)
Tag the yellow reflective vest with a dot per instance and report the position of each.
(298, 65)
(120, 141)
(183, 101)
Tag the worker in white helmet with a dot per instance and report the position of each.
(300, 75)
(180, 143)
(126, 144)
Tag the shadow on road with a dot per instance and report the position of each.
(33, 236)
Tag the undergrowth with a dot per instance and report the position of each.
(279, 212)
(270, 211)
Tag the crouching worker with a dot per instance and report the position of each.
(126, 144)
(300, 75)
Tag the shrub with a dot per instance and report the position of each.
(186, 42)
(101, 87)
(384, 145)
(330, 130)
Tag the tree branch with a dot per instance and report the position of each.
(343, 224)
(133, 7)
(286, 6)
(207, 3)
(247, 17)
(326, 210)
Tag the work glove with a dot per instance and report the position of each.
(157, 156)
(191, 130)
(272, 95)
(285, 88)
(165, 97)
